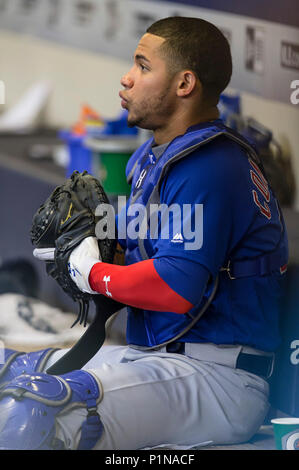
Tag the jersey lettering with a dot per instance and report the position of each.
(261, 184)
(264, 208)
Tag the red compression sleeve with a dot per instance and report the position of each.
(138, 285)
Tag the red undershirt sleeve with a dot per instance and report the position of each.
(138, 285)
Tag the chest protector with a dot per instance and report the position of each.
(145, 172)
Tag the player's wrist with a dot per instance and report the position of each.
(79, 274)
(81, 261)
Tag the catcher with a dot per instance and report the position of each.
(202, 282)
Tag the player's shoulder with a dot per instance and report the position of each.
(221, 152)
(221, 160)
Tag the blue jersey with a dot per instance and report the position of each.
(223, 209)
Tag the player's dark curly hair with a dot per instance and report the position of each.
(197, 45)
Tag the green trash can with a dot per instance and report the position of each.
(110, 157)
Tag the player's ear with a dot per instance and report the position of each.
(187, 82)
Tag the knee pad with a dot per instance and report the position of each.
(17, 363)
(29, 405)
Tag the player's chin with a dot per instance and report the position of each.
(137, 119)
(132, 120)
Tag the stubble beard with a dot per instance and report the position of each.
(151, 113)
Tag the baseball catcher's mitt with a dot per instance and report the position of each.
(62, 222)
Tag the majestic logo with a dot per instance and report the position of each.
(106, 279)
(178, 238)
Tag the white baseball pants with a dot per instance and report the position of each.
(155, 398)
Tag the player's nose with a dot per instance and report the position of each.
(127, 80)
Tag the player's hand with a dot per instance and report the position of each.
(81, 260)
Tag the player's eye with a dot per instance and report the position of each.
(142, 67)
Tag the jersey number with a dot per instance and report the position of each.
(261, 184)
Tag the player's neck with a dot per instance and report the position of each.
(178, 124)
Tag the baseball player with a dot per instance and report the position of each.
(202, 279)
